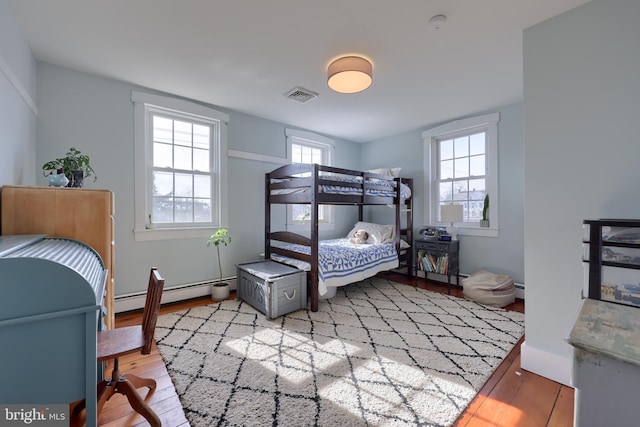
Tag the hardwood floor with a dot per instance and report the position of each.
(511, 396)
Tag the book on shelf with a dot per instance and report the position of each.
(433, 264)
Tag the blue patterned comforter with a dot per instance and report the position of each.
(341, 262)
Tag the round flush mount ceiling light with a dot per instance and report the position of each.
(437, 22)
(349, 74)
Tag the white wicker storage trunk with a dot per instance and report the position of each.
(273, 288)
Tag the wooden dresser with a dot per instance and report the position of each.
(76, 213)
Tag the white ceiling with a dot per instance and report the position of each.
(245, 54)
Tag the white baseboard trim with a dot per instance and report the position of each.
(442, 278)
(548, 365)
(135, 301)
(519, 290)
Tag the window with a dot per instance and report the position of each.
(462, 159)
(307, 147)
(180, 168)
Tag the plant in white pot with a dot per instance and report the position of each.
(220, 289)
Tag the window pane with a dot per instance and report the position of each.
(307, 155)
(162, 210)
(162, 183)
(201, 186)
(202, 210)
(184, 185)
(183, 210)
(446, 191)
(446, 169)
(446, 149)
(461, 147)
(316, 156)
(182, 158)
(477, 143)
(477, 188)
(162, 129)
(461, 167)
(296, 153)
(475, 212)
(162, 155)
(460, 190)
(201, 160)
(182, 133)
(477, 167)
(201, 136)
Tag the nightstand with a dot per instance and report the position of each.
(437, 257)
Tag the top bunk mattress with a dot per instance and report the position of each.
(384, 188)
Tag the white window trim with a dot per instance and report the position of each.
(313, 138)
(142, 157)
(488, 122)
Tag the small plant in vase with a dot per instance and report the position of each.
(220, 289)
(485, 208)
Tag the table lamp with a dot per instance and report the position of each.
(452, 214)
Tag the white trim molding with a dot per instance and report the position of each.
(546, 364)
(17, 84)
(489, 122)
(257, 157)
(142, 156)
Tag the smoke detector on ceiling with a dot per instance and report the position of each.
(437, 22)
(300, 94)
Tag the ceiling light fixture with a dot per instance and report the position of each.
(437, 22)
(349, 74)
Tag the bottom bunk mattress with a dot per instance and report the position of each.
(341, 262)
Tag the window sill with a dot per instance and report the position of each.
(478, 231)
(148, 234)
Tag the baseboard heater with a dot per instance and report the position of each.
(136, 300)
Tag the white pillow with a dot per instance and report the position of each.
(395, 172)
(377, 233)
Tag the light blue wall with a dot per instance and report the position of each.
(17, 103)
(582, 92)
(504, 254)
(95, 115)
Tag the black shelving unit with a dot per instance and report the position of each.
(437, 257)
(612, 252)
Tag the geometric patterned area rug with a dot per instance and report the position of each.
(377, 354)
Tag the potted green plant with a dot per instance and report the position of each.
(484, 222)
(220, 289)
(75, 166)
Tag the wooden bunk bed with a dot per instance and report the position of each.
(316, 185)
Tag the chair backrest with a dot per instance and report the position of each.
(151, 308)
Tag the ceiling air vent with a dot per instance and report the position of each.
(300, 94)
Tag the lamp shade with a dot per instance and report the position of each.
(452, 213)
(349, 74)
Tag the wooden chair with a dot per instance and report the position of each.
(114, 343)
